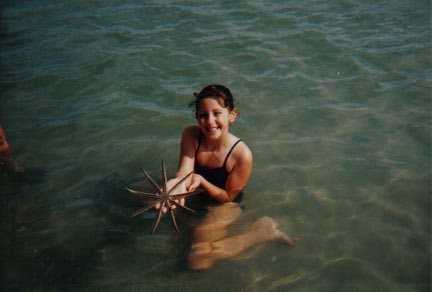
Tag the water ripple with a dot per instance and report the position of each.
(335, 104)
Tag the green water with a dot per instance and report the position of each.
(334, 101)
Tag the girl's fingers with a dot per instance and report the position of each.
(179, 201)
(195, 183)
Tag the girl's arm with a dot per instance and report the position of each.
(186, 164)
(4, 146)
(187, 151)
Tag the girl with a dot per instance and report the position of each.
(221, 161)
(222, 165)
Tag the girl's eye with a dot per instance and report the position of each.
(202, 115)
(217, 114)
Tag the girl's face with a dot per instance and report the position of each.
(213, 118)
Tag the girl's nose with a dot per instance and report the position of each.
(211, 118)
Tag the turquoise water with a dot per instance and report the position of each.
(335, 101)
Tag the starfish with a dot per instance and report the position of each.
(164, 197)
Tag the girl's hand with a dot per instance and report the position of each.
(194, 182)
(179, 190)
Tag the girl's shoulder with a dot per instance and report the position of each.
(241, 152)
(191, 137)
(191, 131)
(244, 151)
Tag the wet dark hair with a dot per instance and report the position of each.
(215, 91)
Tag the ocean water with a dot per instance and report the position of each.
(334, 100)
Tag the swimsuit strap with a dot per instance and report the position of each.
(199, 143)
(226, 157)
(229, 152)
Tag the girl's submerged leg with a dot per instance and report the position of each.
(214, 225)
(204, 254)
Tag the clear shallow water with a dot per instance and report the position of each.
(334, 101)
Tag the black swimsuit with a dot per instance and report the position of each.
(217, 175)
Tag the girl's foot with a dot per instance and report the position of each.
(269, 228)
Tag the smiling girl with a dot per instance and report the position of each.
(222, 162)
(222, 165)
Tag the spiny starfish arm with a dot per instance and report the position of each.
(182, 206)
(158, 218)
(164, 177)
(154, 184)
(142, 210)
(179, 183)
(142, 194)
(186, 195)
(163, 197)
(174, 220)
